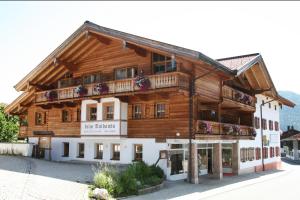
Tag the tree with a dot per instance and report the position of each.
(9, 126)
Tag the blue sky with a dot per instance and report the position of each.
(30, 31)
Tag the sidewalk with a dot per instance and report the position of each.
(210, 187)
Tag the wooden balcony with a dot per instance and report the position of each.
(237, 96)
(216, 130)
(160, 81)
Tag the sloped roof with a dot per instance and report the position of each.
(237, 62)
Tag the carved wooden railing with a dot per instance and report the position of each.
(165, 80)
(238, 96)
(216, 128)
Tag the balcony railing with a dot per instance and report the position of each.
(216, 128)
(166, 80)
(238, 96)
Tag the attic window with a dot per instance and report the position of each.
(162, 64)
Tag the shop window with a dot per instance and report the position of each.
(66, 149)
(265, 153)
(277, 151)
(272, 152)
(138, 152)
(227, 156)
(108, 111)
(115, 152)
(80, 150)
(99, 151)
(124, 73)
(250, 153)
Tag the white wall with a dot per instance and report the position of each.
(268, 114)
(24, 149)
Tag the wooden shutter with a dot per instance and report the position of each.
(129, 112)
(167, 110)
(151, 111)
(143, 107)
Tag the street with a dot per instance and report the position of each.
(31, 179)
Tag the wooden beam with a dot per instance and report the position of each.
(138, 50)
(100, 38)
(68, 65)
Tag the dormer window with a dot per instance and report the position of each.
(162, 64)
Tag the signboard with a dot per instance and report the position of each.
(101, 128)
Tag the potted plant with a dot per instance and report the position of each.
(23, 122)
(206, 127)
(80, 90)
(142, 82)
(236, 129)
(51, 95)
(101, 88)
(252, 131)
(227, 129)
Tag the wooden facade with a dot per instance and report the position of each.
(221, 97)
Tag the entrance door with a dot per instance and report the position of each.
(210, 161)
(176, 163)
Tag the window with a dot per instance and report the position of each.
(160, 110)
(138, 152)
(80, 150)
(39, 118)
(124, 73)
(65, 116)
(66, 149)
(272, 152)
(78, 114)
(250, 153)
(92, 112)
(275, 107)
(244, 154)
(257, 153)
(270, 125)
(137, 111)
(91, 78)
(161, 63)
(276, 126)
(265, 153)
(115, 152)
(264, 124)
(257, 122)
(99, 151)
(108, 111)
(277, 151)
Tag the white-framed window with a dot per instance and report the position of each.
(99, 151)
(66, 149)
(80, 150)
(138, 152)
(116, 152)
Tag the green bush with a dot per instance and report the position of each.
(157, 171)
(138, 175)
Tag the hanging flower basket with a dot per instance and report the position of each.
(206, 127)
(236, 129)
(227, 129)
(142, 82)
(252, 132)
(80, 90)
(238, 96)
(51, 95)
(101, 88)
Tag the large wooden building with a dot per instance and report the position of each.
(106, 95)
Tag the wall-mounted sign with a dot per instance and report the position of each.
(103, 127)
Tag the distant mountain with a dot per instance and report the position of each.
(290, 116)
